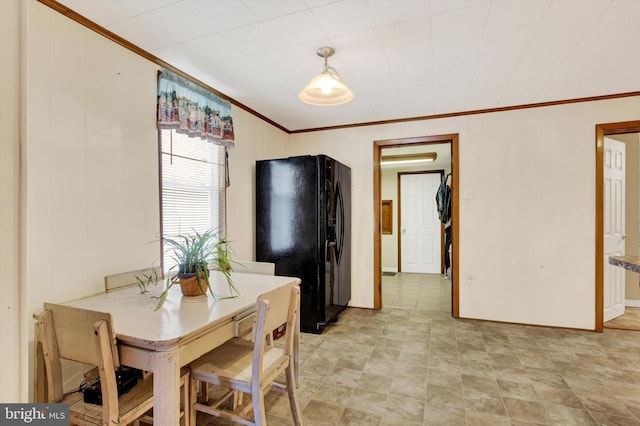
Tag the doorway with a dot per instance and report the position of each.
(451, 139)
(602, 131)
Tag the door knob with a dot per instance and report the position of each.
(625, 236)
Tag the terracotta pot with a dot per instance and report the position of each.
(189, 286)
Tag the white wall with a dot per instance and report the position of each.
(389, 242)
(92, 160)
(9, 200)
(527, 242)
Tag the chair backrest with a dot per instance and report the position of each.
(275, 308)
(249, 267)
(126, 279)
(74, 333)
(80, 335)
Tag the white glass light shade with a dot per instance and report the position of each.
(324, 90)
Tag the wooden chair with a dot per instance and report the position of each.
(244, 324)
(252, 366)
(249, 267)
(126, 279)
(65, 332)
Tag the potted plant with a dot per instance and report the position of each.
(194, 254)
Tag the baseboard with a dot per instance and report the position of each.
(632, 303)
(393, 269)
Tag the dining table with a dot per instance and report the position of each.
(162, 341)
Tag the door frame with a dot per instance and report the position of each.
(399, 192)
(603, 130)
(377, 201)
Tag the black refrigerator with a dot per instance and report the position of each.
(303, 225)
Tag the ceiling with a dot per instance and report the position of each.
(402, 58)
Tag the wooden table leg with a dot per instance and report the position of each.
(166, 387)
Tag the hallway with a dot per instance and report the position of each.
(425, 292)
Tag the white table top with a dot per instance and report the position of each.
(181, 318)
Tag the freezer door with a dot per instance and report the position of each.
(339, 245)
(287, 228)
(343, 236)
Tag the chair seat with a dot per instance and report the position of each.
(140, 398)
(231, 363)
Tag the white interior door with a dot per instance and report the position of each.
(614, 227)
(420, 245)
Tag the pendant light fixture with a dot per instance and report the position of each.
(327, 88)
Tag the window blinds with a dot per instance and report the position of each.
(193, 186)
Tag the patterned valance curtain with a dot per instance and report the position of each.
(193, 110)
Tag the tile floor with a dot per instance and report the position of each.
(629, 321)
(412, 364)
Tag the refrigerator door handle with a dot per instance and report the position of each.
(339, 222)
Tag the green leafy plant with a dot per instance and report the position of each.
(145, 280)
(194, 254)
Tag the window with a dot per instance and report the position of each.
(193, 186)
